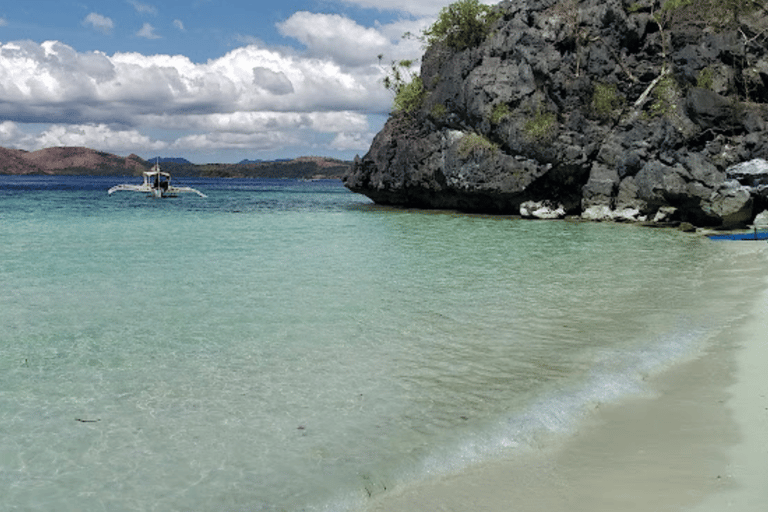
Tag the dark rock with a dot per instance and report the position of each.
(708, 109)
(732, 204)
(602, 186)
(687, 227)
(573, 104)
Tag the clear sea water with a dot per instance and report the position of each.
(285, 346)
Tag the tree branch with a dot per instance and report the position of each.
(644, 97)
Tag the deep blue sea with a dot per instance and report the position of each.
(286, 346)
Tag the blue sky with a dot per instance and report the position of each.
(208, 80)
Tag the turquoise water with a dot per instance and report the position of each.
(290, 346)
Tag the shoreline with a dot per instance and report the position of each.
(699, 445)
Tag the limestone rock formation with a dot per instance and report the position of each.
(614, 109)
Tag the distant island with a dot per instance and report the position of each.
(89, 162)
(165, 159)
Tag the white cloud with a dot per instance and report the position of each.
(148, 31)
(99, 136)
(395, 33)
(3, 22)
(52, 77)
(345, 141)
(341, 40)
(274, 82)
(252, 97)
(99, 22)
(254, 131)
(261, 141)
(178, 24)
(9, 132)
(143, 8)
(250, 122)
(265, 132)
(420, 8)
(335, 37)
(50, 72)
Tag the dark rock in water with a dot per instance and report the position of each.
(687, 227)
(592, 107)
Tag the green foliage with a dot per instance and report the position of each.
(732, 9)
(499, 112)
(606, 100)
(671, 5)
(407, 86)
(705, 78)
(665, 96)
(410, 96)
(462, 24)
(474, 145)
(540, 126)
(438, 111)
(398, 75)
(713, 12)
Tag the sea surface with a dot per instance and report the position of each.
(289, 346)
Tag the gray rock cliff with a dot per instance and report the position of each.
(607, 109)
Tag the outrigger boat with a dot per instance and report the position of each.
(157, 183)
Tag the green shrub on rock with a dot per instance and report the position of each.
(410, 96)
(499, 112)
(438, 111)
(462, 24)
(665, 96)
(705, 78)
(540, 126)
(407, 86)
(474, 145)
(606, 100)
(717, 13)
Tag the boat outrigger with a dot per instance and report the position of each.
(157, 183)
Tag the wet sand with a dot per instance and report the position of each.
(700, 444)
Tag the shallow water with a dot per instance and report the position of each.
(290, 346)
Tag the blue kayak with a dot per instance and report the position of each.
(754, 235)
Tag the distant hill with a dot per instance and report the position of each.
(246, 161)
(68, 160)
(298, 168)
(85, 161)
(175, 160)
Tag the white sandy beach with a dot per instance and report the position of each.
(747, 463)
(700, 445)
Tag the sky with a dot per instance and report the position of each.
(207, 80)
